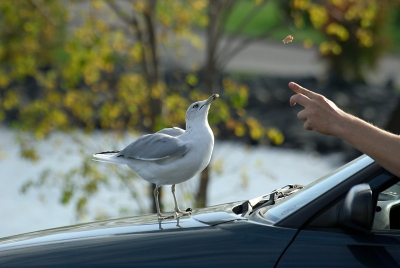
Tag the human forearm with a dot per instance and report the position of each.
(380, 145)
(322, 115)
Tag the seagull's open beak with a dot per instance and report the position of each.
(210, 99)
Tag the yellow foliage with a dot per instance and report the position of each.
(157, 91)
(338, 2)
(338, 30)
(140, 6)
(195, 95)
(318, 15)
(330, 47)
(240, 129)
(192, 80)
(301, 4)
(82, 88)
(11, 100)
(4, 80)
(54, 97)
(70, 98)
(175, 111)
(324, 48)
(29, 153)
(136, 52)
(351, 13)
(365, 37)
(275, 136)
(199, 5)
(97, 4)
(298, 20)
(256, 131)
(47, 80)
(118, 41)
(336, 48)
(57, 118)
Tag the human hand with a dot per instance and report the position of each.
(319, 113)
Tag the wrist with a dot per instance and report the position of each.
(346, 126)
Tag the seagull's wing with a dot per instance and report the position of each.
(175, 131)
(154, 147)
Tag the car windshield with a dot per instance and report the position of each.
(317, 188)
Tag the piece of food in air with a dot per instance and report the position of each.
(287, 39)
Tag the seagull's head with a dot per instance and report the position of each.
(199, 109)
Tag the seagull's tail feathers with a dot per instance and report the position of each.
(110, 157)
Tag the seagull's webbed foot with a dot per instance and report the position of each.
(164, 217)
(160, 216)
(179, 212)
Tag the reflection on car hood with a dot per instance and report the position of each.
(205, 217)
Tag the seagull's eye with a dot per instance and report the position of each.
(195, 106)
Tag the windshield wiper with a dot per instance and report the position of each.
(266, 200)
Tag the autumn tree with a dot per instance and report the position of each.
(93, 71)
(95, 64)
(355, 32)
(224, 40)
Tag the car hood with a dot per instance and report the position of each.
(205, 217)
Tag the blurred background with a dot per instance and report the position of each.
(79, 77)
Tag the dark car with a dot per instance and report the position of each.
(350, 217)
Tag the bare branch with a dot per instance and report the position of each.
(132, 22)
(123, 16)
(227, 55)
(44, 12)
(227, 6)
(213, 12)
(152, 42)
(245, 21)
(248, 18)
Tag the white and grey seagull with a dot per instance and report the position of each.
(172, 155)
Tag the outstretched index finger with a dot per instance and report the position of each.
(301, 90)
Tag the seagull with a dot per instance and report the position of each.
(171, 155)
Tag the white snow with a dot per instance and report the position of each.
(238, 173)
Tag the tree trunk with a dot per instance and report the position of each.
(210, 75)
(152, 78)
(201, 197)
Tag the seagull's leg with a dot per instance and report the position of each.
(160, 216)
(155, 192)
(177, 210)
(177, 222)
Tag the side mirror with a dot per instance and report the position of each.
(357, 211)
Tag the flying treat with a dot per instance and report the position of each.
(287, 39)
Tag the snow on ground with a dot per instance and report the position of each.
(239, 173)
